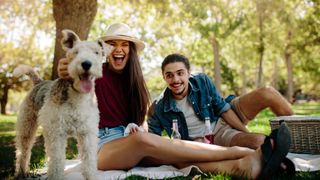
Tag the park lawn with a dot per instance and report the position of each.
(7, 154)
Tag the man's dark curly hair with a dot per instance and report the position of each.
(172, 58)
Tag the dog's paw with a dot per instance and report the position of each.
(132, 128)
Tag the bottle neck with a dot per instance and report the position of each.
(207, 127)
(175, 130)
(207, 123)
(175, 126)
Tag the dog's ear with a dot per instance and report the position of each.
(69, 39)
(106, 48)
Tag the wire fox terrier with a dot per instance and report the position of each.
(63, 108)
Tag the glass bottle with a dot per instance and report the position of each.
(208, 137)
(175, 130)
(207, 123)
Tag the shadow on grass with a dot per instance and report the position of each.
(7, 154)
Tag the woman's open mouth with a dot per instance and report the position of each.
(118, 59)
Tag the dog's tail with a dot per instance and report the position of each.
(28, 70)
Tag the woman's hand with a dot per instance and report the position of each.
(132, 128)
(63, 68)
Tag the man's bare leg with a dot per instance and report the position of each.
(254, 102)
(267, 97)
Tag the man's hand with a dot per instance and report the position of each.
(63, 68)
(232, 119)
(132, 128)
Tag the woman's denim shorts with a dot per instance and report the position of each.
(109, 134)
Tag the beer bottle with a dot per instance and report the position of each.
(175, 130)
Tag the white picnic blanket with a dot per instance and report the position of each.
(73, 172)
(303, 162)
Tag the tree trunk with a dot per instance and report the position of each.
(244, 77)
(275, 75)
(287, 55)
(260, 11)
(76, 15)
(217, 66)
(261, 54)
(4, 99)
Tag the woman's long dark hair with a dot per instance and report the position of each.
(138, 92)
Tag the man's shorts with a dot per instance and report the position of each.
(109, 134)
(223, 133)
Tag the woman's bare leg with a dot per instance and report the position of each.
(125, 153)
(248, 167)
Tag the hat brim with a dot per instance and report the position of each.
(139, 44)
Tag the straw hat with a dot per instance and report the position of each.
(121, 31)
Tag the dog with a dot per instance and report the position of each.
(63, 108)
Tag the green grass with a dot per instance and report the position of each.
(312, 108)
(7, 150)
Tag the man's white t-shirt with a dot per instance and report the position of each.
(196, 127)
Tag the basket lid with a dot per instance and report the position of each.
(296, 118)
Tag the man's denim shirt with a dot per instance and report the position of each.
(204, 97)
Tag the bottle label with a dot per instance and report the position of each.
(209, 139)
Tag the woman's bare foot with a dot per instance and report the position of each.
(251, 165)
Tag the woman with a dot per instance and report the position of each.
(123, 98)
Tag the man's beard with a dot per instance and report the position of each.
(181, 92)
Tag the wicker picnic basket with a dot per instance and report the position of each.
(305, 132)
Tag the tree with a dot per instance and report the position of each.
(298, 30)
(215, 20)
(20, 26)
(76, 15)
(261, 13)
(307, 45)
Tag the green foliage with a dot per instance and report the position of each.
(155, 85)
(228, 76)
(183, 26)
(20, 27)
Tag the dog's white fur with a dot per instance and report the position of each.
(63, 108)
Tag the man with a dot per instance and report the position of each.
(192, 98)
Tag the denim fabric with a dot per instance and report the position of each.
(204, 97)
(109, 134)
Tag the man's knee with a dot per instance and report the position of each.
(268, 93)
(273, 99)
(270, 97)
